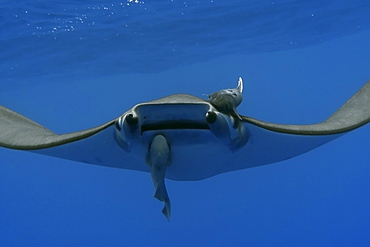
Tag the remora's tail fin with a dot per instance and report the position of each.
(162, 195)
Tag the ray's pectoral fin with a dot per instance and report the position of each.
(158, 158)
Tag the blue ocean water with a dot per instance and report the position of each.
(138, 36)
(72, 65)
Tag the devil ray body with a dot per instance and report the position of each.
(197, 153)
(183, 137)
(190, 161)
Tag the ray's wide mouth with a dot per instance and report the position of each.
(174, 125)
(170, 117)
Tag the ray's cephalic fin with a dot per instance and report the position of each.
(227, 100)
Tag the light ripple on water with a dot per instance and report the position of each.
(98, 38)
